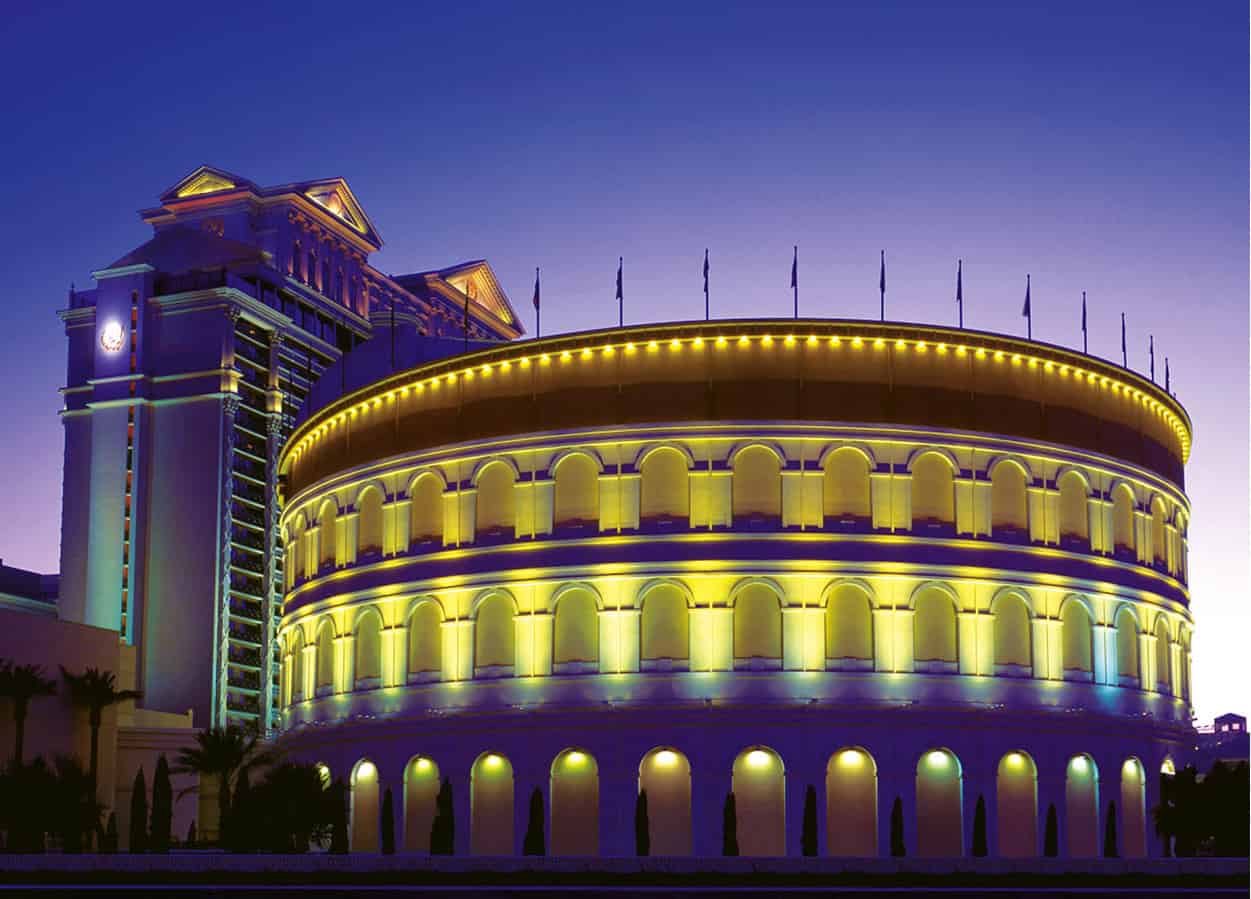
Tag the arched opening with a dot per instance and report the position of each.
(364, 807)
(576, 629)
(1081, 807)
(1163, 654)
(1133, 809)
(325, 657)
(1076, 633)
(845, 489)
(665, 625)
(940, 805)
(491, 805)
(1183, 667)
(425, 643)
(368, 655)
(1009, 502)
(757, 486)
(1074, 517)
(494, 636)
(1016, 796)
(849, 627)
(1012, 636)
(576, 493)
(425, 511)
(1127, 671)
(664, 495)
(851, 804)
(291, 556)
(295, 686)
(369, 524)
(757, 625)
(759, 785)
(326, 534)
(1123, 521)
(1159, 546)
(665, 775)
(575, 804)
(933, 494)
(495, 512)
(934, 631)
(421, 792)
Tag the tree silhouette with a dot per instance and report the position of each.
(139, 814)
(162, 808)
(642, 827)
(339, 810)
(25, 811)
(532, 843)
(808, 839)
(108, 845)
(20, 684)
(221, 753)
(729, 826)
(1109, 833)
(897, 849)
(978, 846)
(388, 824)
(1051, 834)
(95, 690)
(190, 841)
(443, 828)
(75, 814)
(242, 815)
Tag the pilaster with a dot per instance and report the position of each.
(712, 639)
(619, 640)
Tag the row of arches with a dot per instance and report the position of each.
(845, 626)
(853, 806)
(755, 498)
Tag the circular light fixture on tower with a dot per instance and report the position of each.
(112, 337)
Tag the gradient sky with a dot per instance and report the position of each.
(1099, 147)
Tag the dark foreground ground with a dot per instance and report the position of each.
(206, 875)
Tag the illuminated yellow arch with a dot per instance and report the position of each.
(922, 451)
(431, 472)
(418, 601)
(1020, 593)
(575, 587)
(768, 445)
(859, 448)
(488, 593)
(652, 448)
(590, 453)
(654, 583)
(860, 584)
(491, 462)
(1011, 459)
(941, 586)
(743, 583)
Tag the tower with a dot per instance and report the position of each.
(187, 364)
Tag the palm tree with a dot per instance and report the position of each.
(222, 753)
(95, 690)
(21, 684)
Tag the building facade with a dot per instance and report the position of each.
(187, 364)
(903, 566)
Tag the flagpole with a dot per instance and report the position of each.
(795, 279)
(1152, 351)
(1124, 351)
(538, 311)
(620, 294)
(707, 312)
(1085, 336)
(960, 289)
(1029, 312)
(882, 286)
(466, 323)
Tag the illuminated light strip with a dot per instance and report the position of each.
(767, 340)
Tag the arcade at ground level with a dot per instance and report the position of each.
(591, 765)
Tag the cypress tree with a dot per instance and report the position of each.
(1109, 833)
(532, 844)
(729, 826)
(1051, 834)
(388, 824)
(162, 808)
(139, 814)
(642, 827)
(809, 837)
(109, 844)
(443, 829)
(978, 847)
(897, 849)
(191, 835)
(337, 796)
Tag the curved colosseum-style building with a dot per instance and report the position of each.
(895, 563)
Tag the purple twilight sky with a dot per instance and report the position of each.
(1099, 147)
